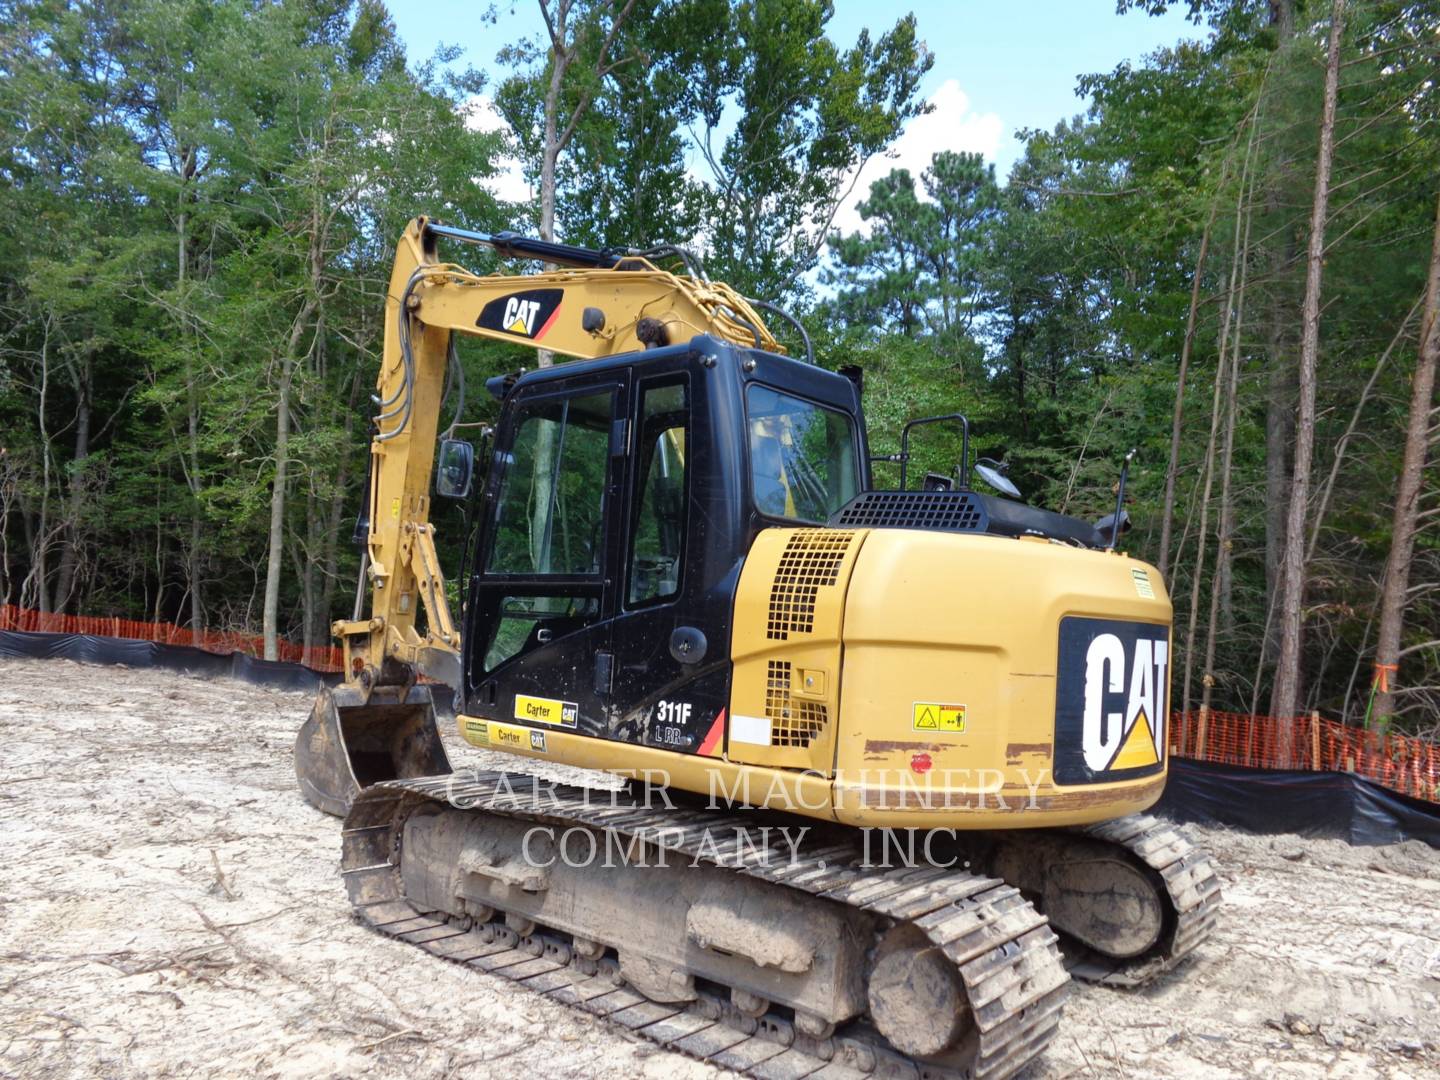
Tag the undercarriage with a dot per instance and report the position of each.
(774, 949)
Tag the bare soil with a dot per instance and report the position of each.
(171, 907)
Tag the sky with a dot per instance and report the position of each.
(1001, 66)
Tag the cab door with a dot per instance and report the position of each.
(538, 648)
(679, 557)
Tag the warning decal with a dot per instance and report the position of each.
(933, 716)
(1143, 588)
(537, 710)
(475, 731)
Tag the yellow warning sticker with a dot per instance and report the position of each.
(933, 716)
(1143, 588)
(395, 508)
(537, 710)
(475, 731)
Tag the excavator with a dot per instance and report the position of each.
(884, 752)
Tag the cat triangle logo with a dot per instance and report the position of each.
(1124, 714)
(1139, 747)
(518, 327)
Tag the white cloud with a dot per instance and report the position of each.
(953, 125)
(508, 184)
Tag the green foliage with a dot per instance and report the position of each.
(921, 265)
(781, 116)
(179, 221)
(198, 201)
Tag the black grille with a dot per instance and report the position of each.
(811, 559)
(948, 511)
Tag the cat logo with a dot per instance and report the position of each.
(528, 314)
(1111, 700)
(520, 315)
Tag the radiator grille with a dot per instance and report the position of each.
(950, 511)
(792, 722)
(811, 561)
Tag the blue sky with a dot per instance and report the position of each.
(1000, 66)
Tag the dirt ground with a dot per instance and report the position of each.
(171, 907)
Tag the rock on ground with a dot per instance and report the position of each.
(171, 907)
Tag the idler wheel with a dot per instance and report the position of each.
(916, 997)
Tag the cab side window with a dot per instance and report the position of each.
(657, 533)
(550, 526)
(803, 462)
(551, 518)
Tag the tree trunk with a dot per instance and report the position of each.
(277, 507)
(1167, 515)
(40, 544)
(70, 554)
(1220, 588)
(335, 528)
(1225, 547)
(1232, 292)
(561, 56)
(1407, 492)
(274, 555)
(193, 562)
(1287, 668)
(1280, 393)
(8, 500)
(307, 575)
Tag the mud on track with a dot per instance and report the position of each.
(171, 907)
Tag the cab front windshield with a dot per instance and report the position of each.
(803, 464)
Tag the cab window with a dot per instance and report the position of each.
(552, 514)
(657, 552)
(802, 456)
(550, 524)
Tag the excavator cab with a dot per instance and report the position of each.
(621, 501)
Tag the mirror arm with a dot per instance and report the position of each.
(904, 456)
(1119, 501)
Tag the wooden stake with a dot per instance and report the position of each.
(1314, 740)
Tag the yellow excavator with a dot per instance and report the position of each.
(887, 749)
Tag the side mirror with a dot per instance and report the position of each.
(454, 468)
(993, 473)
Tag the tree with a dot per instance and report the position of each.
(1292, 595)
(921, 265)
(807, 116)
(546, 103)
(1407, 491)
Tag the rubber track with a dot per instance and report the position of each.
(1191, 885)
(1004, 950)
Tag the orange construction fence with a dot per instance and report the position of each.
(319, 657)
(1400, 762)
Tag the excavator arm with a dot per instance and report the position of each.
(601, 303)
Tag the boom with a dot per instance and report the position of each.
(603, 303)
